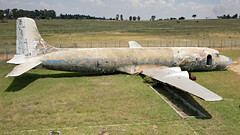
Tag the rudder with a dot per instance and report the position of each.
(29, 41)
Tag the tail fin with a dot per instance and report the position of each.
(134, 44)
(29, 41)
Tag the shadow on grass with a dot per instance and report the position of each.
(161, 88)
(24, 80)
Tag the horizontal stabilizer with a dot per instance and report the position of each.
(180, 80)
(22, 68)
(17, 59)
(134, 44)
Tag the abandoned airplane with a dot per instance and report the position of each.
(164, 64)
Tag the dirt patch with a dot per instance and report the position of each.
(4, 57)
(235, 66)
(227, 48)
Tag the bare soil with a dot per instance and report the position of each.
(227, 48)
(4, 57)
(235, 66)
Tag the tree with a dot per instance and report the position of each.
(130, 18)
(235, 16)
(117, 16)
(1, 14)
(7, 13)
(134, 18)
(15, 13)
(50, 14)
(21, 13)
(228, 16)
(121, 17)
(153, 18)
(194, 16)
(181, 18)
(138, 18)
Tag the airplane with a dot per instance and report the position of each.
(169, 65)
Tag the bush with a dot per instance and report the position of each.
(149, 80)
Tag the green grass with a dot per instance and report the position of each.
(77, 30)
(85, 33)
(43, 100)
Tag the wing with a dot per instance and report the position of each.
(134, 44)
(180, 79)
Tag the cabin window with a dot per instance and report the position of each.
(209, 59)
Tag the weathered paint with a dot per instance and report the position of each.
(29, 41)
(108, 60)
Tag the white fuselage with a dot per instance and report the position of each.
(109, 60)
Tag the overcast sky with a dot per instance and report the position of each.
(144, 8)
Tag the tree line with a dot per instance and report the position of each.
(15, 13)
(78, 16)
(41, 14)
(51, 14)
(228, 16)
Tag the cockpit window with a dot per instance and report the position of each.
(217, 54)
(209, 59)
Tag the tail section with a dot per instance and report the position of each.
(29, 41)
(29, 47)
(28, 37)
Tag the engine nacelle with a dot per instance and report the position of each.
(185, 74)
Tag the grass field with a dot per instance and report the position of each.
(85, 33)
(78, 31)
(43, 100)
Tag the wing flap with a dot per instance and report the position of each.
(180, 80)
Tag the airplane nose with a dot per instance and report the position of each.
(224, 62)
(230, 61)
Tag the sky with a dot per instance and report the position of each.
(143, 8)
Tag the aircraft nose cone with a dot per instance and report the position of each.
(223, 63)
(230, 61)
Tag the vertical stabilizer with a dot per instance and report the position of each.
(28, 36)
(29, 41)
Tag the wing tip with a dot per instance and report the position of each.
(214, 99)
